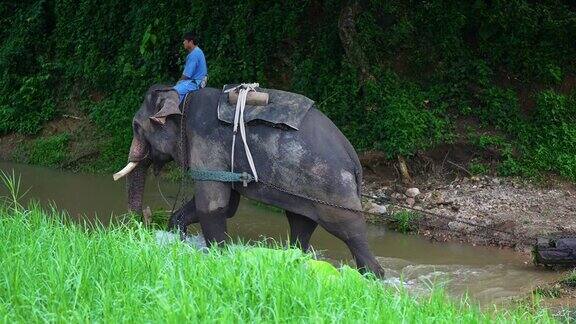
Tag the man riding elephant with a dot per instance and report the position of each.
(305, 166)
(193, 77)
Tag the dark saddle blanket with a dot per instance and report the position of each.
(284, 108)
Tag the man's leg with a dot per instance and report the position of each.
(181, 88)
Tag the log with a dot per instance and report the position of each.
(555, 252)
(252, 99)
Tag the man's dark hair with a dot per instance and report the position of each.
(190, 36)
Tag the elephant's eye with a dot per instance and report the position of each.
(136, 128)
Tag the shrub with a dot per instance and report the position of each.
(48, 151)
(405, 221)
(431, 64)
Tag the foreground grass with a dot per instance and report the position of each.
(53, 271)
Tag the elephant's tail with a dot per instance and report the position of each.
(357, 166)
(358, 174)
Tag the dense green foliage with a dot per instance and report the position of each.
(49, 151)
(415, 71)
(56, 272)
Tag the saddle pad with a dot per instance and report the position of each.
(283, 108)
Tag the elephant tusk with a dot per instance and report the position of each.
(127, 169)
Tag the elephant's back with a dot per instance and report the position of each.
(316, 161)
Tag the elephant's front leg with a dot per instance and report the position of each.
(183, 217)
(212, 201)
(187, 214)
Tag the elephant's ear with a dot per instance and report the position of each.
(166, 105)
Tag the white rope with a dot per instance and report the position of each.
(243, 90)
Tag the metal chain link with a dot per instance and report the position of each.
(182, 153)
(320, 201)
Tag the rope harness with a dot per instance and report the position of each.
(243, 90)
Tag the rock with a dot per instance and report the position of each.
(412, 192)
(375, 208)
(397, 196)
(460, 227)
(496, 181)
(410, 201)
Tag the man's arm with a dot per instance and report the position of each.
(189, 68)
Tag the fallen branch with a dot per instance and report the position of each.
(76, 159)
(460, 167)
(72, 117)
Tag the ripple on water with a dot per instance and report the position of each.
(483, 284)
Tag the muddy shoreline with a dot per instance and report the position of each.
(478, 210)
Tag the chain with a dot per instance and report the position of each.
(182, 153)
(327, 203)
(323, 202)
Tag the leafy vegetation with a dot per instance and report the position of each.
(49, 151)
(478, 168)
(405, 221)
(413, 73)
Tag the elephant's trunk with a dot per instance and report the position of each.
(136, 171)
(138, 150)
(135, 185)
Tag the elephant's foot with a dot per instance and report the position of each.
(214, 227)
(350, 227)
(365, 260)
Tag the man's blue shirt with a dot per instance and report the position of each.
(195, 67)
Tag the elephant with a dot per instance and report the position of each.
(313, 174)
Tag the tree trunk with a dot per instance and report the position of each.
(347, 32)
(406, 178)
(357, 57)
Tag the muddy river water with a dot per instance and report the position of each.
(487, 275)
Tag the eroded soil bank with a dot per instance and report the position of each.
(480, 210)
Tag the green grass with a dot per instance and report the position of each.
(405, 221)
(54, 271)
(570, 280)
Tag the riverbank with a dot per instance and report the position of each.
(122, 274)
(476, 209)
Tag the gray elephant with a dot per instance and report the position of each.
(313, 173)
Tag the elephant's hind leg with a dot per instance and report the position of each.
(301, 229)
(350, 227)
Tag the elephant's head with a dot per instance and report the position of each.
(152, 144)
